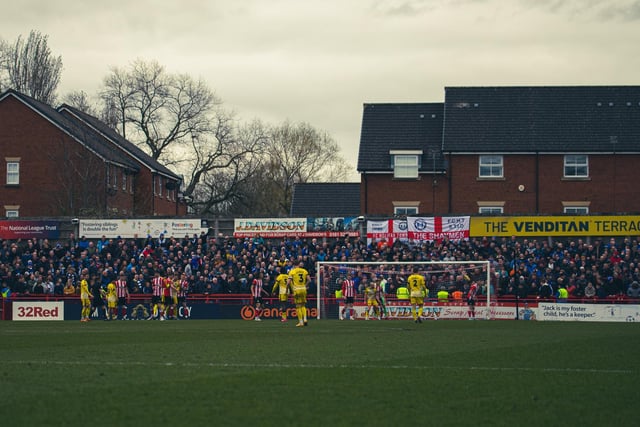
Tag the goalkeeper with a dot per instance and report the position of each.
(381, 291)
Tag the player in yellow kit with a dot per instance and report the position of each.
(417, 292)
(112, 302)
(85, 297)
(299, 281)
(282, 284)
(370, 298)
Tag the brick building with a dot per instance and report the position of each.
(62, 162)
(503, 150)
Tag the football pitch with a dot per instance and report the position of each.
(331, 373)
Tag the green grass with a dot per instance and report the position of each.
(332, 373)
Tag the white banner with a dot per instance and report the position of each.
(434, 312)
(389, 230)
(140, 228)
(544, 311)
(38, 310)
(438, 228)
(246, 227)
(589, 312)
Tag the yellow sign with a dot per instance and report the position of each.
(555, 226)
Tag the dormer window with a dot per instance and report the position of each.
(406, 163)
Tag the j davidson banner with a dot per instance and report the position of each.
(296, 227)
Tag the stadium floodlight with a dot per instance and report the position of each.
(438, 274)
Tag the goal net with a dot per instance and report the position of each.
(447, 282)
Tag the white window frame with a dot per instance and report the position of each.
(405, 166)
(406, 207)
(576, 208)
(159, 186)
(13, 176)
(124, 180)
(575, 168)
(490, 207)
(406, 163)
(12, 213)
(491, 166)
(405, 210)
(491, 210)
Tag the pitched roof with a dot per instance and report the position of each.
(400, 126)
(118, 140)
(542, 119)
(323, 199)
(81, 133)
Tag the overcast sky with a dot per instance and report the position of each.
(319, 61)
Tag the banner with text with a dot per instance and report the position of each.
(296, 227)
(555, 226)
(388, 230)
(38, 310)
(141, 228)
(24, 229)
(438, 228)
(589, 312)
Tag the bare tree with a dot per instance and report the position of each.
(4, 81)
(299, 153)
(158, 110)
(295, 153)
(30, 67)
(223, 163)
(180, 122)
(80, 100)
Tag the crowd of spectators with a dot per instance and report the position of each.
(587, 268)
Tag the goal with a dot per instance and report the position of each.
(455, 277)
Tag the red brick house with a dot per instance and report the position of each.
(65, 163)
(503, 150)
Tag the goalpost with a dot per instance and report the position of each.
(449, 275)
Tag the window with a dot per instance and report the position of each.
(159, 186)
(405, 207)
(490, 207)
(490, 210)
(11, 211)
(124, 180)
(405, 163)
(13, 172)
(491, 167)
(405, 166)
(399, 210)
(576, 208)
(576, 166)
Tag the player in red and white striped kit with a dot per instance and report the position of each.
(257, 291)
(157, 285)
(349, 295)
(183, 313)
(122, 292)
(471, 300)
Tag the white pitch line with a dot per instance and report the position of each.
(330, 366)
